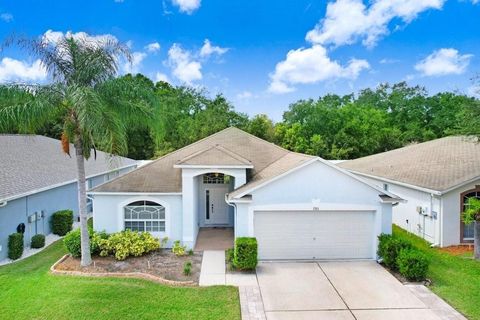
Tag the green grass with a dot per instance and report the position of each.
(454, 278)
(29, 291)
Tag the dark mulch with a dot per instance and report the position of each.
(162, 263)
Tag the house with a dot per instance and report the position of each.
(38, 179)
(297, 206)
(436, 178)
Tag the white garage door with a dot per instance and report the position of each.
(314, 234)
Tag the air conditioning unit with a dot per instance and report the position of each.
(423, 211)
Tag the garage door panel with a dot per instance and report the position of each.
(314, 234)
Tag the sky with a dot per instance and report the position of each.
(264, 55)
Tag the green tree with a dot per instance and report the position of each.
(84, 95)
(262, 127)
(472, 215)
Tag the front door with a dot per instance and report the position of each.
(216, 209)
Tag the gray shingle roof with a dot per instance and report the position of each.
(438, 165)
(29, 162)
(160, 176)
(216, 155)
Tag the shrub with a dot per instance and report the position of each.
(187, 268)
(178, 249)
(389, 249)
(15, 245)
(412, 264)
(128, 243)
(72, 242)
(190, 252)
(62, 222)
(90, 223)
(38, 241)
(245, 253)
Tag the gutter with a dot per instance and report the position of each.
(231, 204)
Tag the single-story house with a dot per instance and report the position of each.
(297, 206)
(436, 178)
(38, 179)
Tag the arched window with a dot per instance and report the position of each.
(467, 229)
(145, 216)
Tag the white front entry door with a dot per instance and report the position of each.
(216, 209)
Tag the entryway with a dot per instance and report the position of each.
(214, 238)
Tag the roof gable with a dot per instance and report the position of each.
(214, 156)
(162, 175)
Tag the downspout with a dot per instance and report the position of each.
(231, 204)
(435, 243)
(3, 203)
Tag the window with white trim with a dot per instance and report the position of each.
(146, 216)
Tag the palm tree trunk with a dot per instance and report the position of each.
(476, 237)
(82, 204)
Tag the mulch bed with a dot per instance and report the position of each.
(458, 250)
(161, 263)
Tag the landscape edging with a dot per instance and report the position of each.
(136, 275)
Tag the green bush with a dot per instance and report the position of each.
(128, 243)
(389, 248)
(412, 264)
(245, 253)
(38, 241)
(72, 242)
(62, 222)
(187, 268)
(15, 245)
(178, 249)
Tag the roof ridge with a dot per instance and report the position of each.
(232, 153)
(178, 150)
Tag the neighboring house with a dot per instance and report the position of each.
(297, 206)
(436, 178)
(37, 179)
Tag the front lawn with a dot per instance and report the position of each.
(454, 278)
(29, 291)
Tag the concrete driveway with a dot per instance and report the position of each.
(336, 290)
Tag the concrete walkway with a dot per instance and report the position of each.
(212, 271)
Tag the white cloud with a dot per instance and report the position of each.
(184, 67)
(444, 62)
(311, 65)
(152, 47)
(161, 77)
(136, 63)
(244, 95)
(7, 17)
(475, 1)
(16, 70)
(207, 49)
(347, 21)
(52, 37)
(389, 61)
(118, 1)
(187, 6)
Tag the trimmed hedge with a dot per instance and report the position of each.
(15, 245)
(389, 248)
(245, 253)
(72, 242)
(412, 264)
(62, 222)
(38, 241)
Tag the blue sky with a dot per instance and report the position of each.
(264, 55)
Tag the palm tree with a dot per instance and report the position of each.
(472, 215)
(95, 108)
